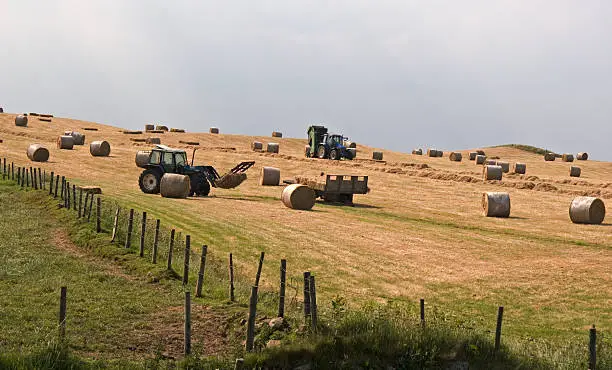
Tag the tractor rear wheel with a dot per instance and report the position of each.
(321, 152)
(334, 154)
(149, 181)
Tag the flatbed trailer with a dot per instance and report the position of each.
(337, 188)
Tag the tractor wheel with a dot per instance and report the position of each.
(334, 154)
(199, 185)
(149, 181)
(321, 152)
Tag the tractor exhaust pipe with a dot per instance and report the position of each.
(193, 157)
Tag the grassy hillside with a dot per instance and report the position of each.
(527, 148)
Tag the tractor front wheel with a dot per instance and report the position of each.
(149, 181)
(334, 154)
(199, 185)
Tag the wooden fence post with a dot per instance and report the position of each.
(56, 184)
(155, 240)
(4, 171)
(422, 304)
(67, 195)
(261, 259)
(115, 224)
(62, 314)
(34, 181)
(90, 206)
(187, 349)
(41, 182)
(500, 315)
(63, 187)
(74, 197)
(313, 303)
(201, 272)
(27, 178)
(171, 249)
(143, 233)
(306, 295)
(128, 240)
(592, 348)
(20, 178)
(186, 259)
(281, 295)
(251, 321)
(80, 202)
(231, 278)
(13, 171)
(98, 214)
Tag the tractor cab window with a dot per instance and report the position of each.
(155, 157)
(167, 159)
(336, 140)
(181, 159)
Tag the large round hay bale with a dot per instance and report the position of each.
(38, 153)
(161, 128)
(520, 168)
(417, 151)
(256, 146)
(575, 171)
(173, 185)
(440, 153)
(100, 148)
(149, 127)
(65, 142)
(582, 156)
(142, 158)
(270, 176)
(351, 144)
(79, 139)
(214, 130)
(21, 121)
(455, 157)
(504, 165)
(492, 172)
(298, 196)
(277, 134)
(587, 210)
(491, 162)
(153, 140)
(473, 156)
(432, 153)
(496, 204)
(567, 157)
(549, 157)
(377, 156)
(480, 159)
(272, 148)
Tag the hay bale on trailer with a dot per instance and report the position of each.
(65, 142)
(519, 168)
(173, 185)
(79, 139)
(492, 172)
(100, 148)
(38, 153)
(142, 158)
(149, 127)
(455, 157)
(277, 134)
(298, 196)
(272, 148)
(214, 130)
(480, 159)
(549, 157)
(270, 176)
(582, 156)
(377, 156)
(177, 130)
(473, 155)
(575, 171)
(504, 165)
(256, 146)
(496, 204)
(417, 151)
(21, 121)
(587, 210)
(153, 140)
(161, 128)
(566, 157)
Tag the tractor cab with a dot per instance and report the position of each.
(171, 160)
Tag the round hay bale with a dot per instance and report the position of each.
(455, 157)
(231, 180)
(473, 156)
(307, 150)
(567, 157)
(21, 121)
(496, 204)
(440, 153)
(65, 142)
(575, 171)
(520, 168)
(277, 134)
(492, 172)
(38, 153)
(353, 153)
(377, 156)
(161, 128)
(480, 159)
(173, 185)
(79, 139)
(582, 156)
(432, 153)
(257, 146)
(214, 130)
(417, 151)
(504, 165)
(142, 158)
(270, 176)
(491, 162)
(272, 148)
(587, 210)
(99, 148)
(298, 196)
(549, 157)
(149, 127)
(480, 152)
(352, 145)
(153, 140)
(1, 110)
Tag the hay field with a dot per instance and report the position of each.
(419, 233)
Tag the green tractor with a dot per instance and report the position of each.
(327, 146)
(162, 159)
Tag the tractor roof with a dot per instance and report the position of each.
(168, 149)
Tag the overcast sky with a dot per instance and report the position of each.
(393, 74)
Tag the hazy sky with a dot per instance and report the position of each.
(393, 74)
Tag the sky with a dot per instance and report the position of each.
(391, 74)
